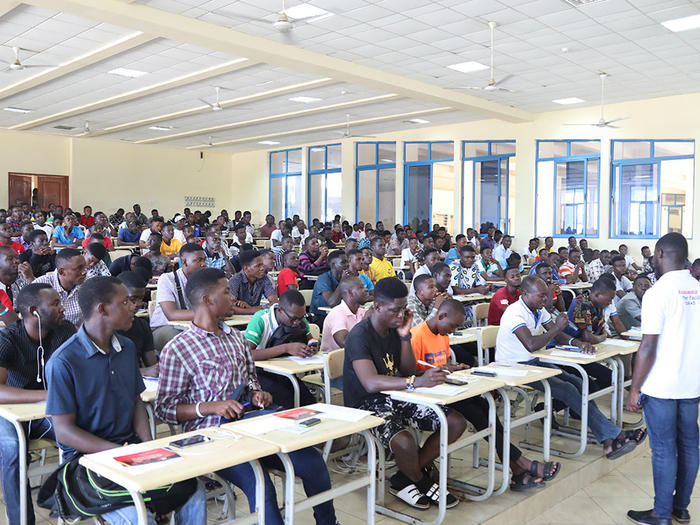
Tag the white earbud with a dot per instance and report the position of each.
(40, 365)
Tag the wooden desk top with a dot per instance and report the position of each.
(633, 334)
(224, 451)
(329, 428)
(603, 351)
(469, 335)
(23, 411)
(630, 347)
(534, 373)
(576, 286)
(472, 298)
(290, 366)
(235, 320)
(476, 387)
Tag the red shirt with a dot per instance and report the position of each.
(337, 236)
(14, 245)
(285, 278)
(499, 302)
(5, 300)
(108, 242)
(87, 221)
(266, 231)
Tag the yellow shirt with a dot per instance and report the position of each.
(172, 249)
(379, 269)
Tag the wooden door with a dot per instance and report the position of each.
(52, 189)
(20, 188)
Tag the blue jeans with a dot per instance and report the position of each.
(9, 462)
(673, 435)
(193, 512)
(567, 389)
(308, 465)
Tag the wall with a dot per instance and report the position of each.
(663, 118)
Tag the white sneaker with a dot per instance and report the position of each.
(411, 496)
(433, 494)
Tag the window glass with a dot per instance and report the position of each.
(673, 149)
(366, 195)
(277, 162)
(387, 192)
(334, 201)
(548, 149)
(294, 161)
(476, 149)
(277, 197)
(503, 148)
(317, 158)
(366, 154)
(585, 148)
(294, 196)
(442, 150)
(631, 150)
(417, 151)
(334, 157)
(387, 153)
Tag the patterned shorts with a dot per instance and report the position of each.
(399, 415)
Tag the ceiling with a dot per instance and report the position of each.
(378, 63)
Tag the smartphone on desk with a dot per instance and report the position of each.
(189, 441)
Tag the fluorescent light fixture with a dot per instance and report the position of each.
(570, 100)
(468, 67)
(161, 128)
(17, 110)
(128, 73)
(682, 24)
(268, 142)
(305, 100)
(417, 121)
(303, 11)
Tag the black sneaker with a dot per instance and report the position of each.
(681, 515)
(644, 517)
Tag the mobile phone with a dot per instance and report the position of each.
(192, 440)
(458, 334)
(310, 422)
(456, 381)
(313, 344)
(483, 373)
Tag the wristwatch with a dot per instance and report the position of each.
(405, 337)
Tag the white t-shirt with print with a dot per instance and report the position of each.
(508, 346)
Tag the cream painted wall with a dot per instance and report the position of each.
(663, 118)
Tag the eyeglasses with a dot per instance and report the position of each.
(291, 318)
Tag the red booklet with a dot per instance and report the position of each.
(146, 457)
(296, 414)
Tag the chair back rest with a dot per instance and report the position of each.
(336, 358)
(119, 253)
(481, 313)
(489, 334)
(308, 294)
(315, 331)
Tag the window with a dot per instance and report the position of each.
(285, 183)
(375, 182)
(568, 188)
(325, 182)
(491, 166)
(429, 181)
(652, 187)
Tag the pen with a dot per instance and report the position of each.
(425, 364)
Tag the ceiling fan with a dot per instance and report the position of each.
(16, 64)
(217, 105)
(602, 123)
(493, 85)
(284, 23)
(346, 133)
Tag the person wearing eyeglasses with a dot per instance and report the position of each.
(279, 331)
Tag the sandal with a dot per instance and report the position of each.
(638, 435)
(519, 484)
(433, 494)
(550, 466)
(620, 447)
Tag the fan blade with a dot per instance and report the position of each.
(469, 87)
(616, 120)
(503, 80)
(26, 66)
(207, 103)
(242, 18)
(609, 126)
(582, 124)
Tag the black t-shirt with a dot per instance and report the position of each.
(142, 337)
(363, 342)
(18, 354)
(41, 264)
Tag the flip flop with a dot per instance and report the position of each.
(518, 483)
(547, 468)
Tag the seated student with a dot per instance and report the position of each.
(629, 309)
(408, 256)
(240, 238)
(251, 284)
(98, 238)
(563, 252)
(366, 261)
(380, 266)
(453, 253)
(67, 235)
(288, 278)
(596, 267)
(161, 264)
(555, 300)
(171, 303)
(350, 244)
(6, 238)
(268, 261)
(26, 229)
(95, 390)
(285, 245)
(527, 327)
(94, 265)
(22, 378)
(39, 256)
(622, 283)
(140, 333)
(502, 251)
(106, 241)
(41, 224)
(573, 269)
(431, 344)
(431, 258)
(489, 268)
(216, 254)
(326, 292)
(282, 329)
(347, 314)
(355, 267)
(127, 263)
(190, 394)
(155, 227)
(554, 261)
(466, 275)
(66, 279)
(443, 277)
(312, 261)
(269, 226)
(170, 247)
(425, 302)
(505, 296)
(378, 356)
(531, 253)
(629, 260)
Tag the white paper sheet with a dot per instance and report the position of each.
(314, 359)
(564, 353)
(151, 384)
(504, 370)
(261, 425)
(343, 413)
(442, 390)
(619, 342)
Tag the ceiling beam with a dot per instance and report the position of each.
(220, 38)
(92, 57)
(271, 118)
(324, 127)
(222, 69)
(247, 99)
(8, 5)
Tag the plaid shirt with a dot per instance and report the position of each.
(197, 367)
(420, 311)
(69, 300)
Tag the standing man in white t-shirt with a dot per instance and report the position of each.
(666, 382)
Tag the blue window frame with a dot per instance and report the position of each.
(429, 177)
(325, 182)
(375, 182)
(651, 187)
(491, 165)
(285, 183)
(567, 188)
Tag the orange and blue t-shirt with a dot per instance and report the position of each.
(429, 347)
